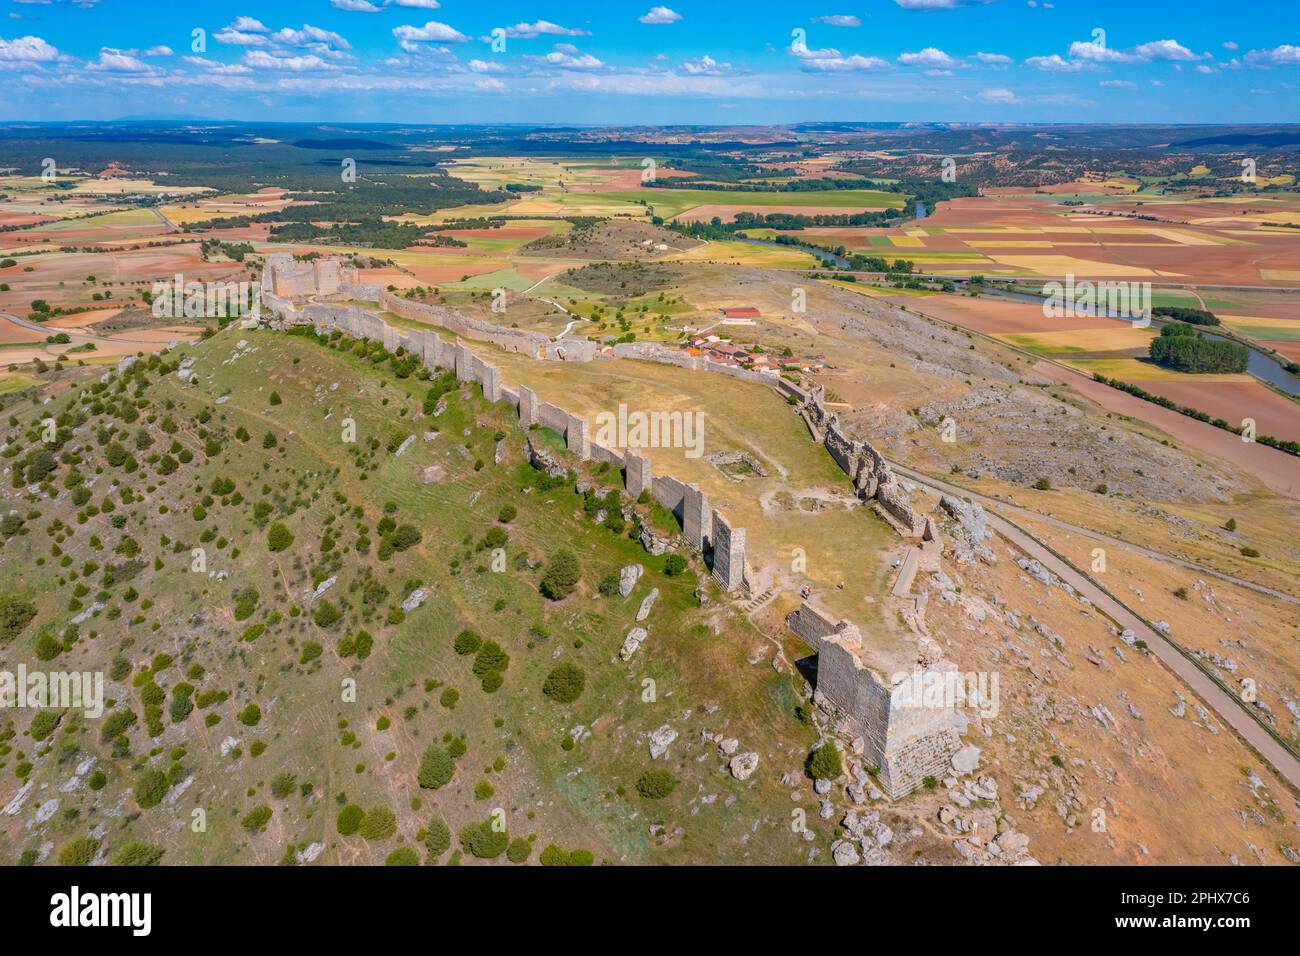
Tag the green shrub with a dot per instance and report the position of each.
(437, 838)
(150, 787)
(79, 852)
(519, 850)
(379, 824)
(283, 784)
(136, 854)
(255, 820)
(561, 575)
(490, 657)
(44, 723)
(554, 856)
(655, 784)
(326, 614)
(674, 564)
(824, 763)
(250, 715)
(436, 768)
(565, 683)
(467, 642)
(402, 856)
(349, 819)
(14, 616)
(278, 537)
(406, 536)
(480, 840)
(245, 602)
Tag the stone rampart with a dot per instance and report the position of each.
(907, 735)
(728, 553)
(871, 475)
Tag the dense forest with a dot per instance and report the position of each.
(1181, 347)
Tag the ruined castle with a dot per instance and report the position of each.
(705, 530)
(905, 739)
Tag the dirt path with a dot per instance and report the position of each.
(76, 334)
(1229, 708)
(998, 503)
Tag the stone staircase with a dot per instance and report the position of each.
(756, 603)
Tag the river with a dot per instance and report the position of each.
(1258, 364)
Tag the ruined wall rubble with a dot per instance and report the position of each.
(871, 475)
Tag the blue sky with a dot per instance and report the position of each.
(617, 62)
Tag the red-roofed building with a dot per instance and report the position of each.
(741, 312)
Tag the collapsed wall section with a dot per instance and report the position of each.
(871, 475)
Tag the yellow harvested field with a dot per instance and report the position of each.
(114, 186)
(747, 254)
(1188, 238)
(1117, 339)
(574, 204)
(1131, 370)
(1061, 265)
(1271, 322)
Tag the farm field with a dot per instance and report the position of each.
(748, 254)
(365, 516)
(1021, 234)
(673, 203)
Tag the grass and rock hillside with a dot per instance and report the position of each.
(402, 648)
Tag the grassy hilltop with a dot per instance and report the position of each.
(230, 687)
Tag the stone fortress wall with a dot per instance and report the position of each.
(907, 740)
(700, 523)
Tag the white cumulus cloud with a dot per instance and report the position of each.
(28, 49)
(409, 37)
(931, 57)
(660, 15)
